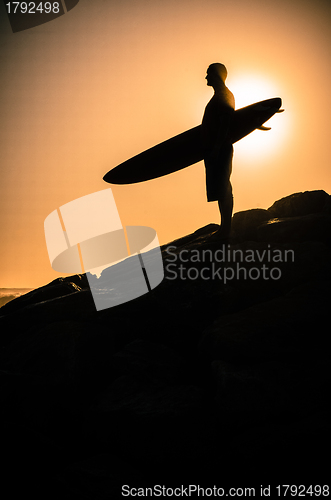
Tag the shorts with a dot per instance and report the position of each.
(218, 173)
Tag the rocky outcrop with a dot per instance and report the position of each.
(217, 373)
(298, 217)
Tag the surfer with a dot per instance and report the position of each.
(218, 150)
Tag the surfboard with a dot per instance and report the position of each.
(185, 149)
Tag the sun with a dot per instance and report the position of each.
(255, 147)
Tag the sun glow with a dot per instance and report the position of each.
(259, 144)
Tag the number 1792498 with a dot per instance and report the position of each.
(33, 8)
(303, 491)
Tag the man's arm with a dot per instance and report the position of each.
(214, 129)
(221, 134)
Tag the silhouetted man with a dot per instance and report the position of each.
(218, 150)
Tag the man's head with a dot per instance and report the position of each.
(215, 73)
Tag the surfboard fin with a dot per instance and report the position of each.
(263, 128)
(280, 110)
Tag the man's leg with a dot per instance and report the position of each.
(225, 204)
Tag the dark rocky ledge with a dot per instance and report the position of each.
(201, 381)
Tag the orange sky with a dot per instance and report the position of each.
(109, 79)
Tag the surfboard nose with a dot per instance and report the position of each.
(275, 103)
(272, 105)
(278, 102)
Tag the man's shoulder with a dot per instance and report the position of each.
(228, 98)
(222, 100)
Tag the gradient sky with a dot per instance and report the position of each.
(110, 79)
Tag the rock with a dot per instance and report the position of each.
(146, 359)
(99, 477)
(197, 236)
(252, 394)
(17, 319)
(298, 204)
(245, 224)
(49, 353)
(215, 374)
(150, 421)
(57, 288)
(312, 227)
(300, 217)
(292, 442)
(32, 462)
(281, 327)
